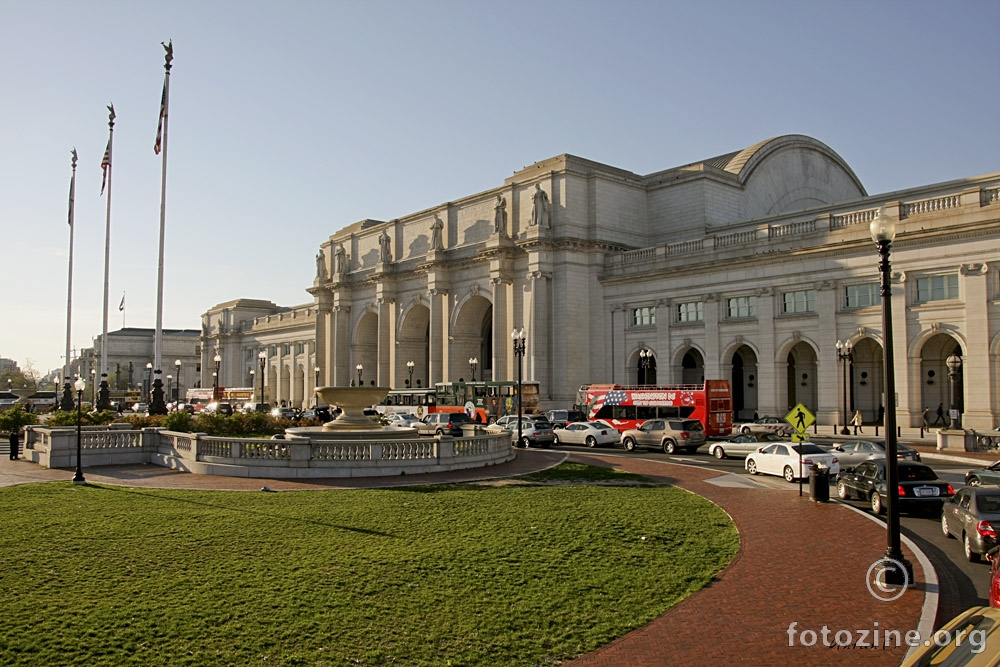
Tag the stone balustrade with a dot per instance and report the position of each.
(295, 457)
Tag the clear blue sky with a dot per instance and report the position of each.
(291, 120)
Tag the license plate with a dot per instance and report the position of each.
(927, 491)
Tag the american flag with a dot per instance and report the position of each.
(163, 114)
(105, 165)
(613, 397)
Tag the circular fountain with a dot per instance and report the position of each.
(24, 394)
(353, 423)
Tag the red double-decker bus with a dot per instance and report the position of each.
(627, 406)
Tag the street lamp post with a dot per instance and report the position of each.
(845, 358)
(316, 387)
(262, 360)
(361, 370)
(177, 387)
(215, 375)
(954, 366)
(883, 231)
(148, 384)
(169, 393)
(518, 338)
(409, 369)
(645, 359)
(473, 362)
(80, 386)
(93, 387)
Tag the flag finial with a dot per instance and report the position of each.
(169, 55)
(73, 153)
(111, 115)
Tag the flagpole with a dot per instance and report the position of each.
(157, 406)
(104, 402)
(67, 397)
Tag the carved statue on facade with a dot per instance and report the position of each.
(340, 259)
(500, 216)
(385, 246)
(539, 208)
(437, 240)
(320, 265)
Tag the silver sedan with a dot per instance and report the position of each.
(590, 434)
(854, 452)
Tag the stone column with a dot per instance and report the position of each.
(770, 371)
(977, 363)
(828, 390)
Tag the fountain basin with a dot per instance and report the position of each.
(352, 401)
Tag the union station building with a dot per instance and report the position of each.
(749, 266)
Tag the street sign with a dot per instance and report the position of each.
(800, 436)
(800, 418)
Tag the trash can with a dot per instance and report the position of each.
(819, 484)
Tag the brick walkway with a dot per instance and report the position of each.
(799, 562)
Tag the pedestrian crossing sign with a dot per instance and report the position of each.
(800, 436)
(800, 418)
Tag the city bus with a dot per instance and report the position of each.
(482, 401)
(627, 406)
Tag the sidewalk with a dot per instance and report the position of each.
(799, 563)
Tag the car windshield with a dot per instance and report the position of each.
(988, 504)
(918, 473)
(807, 449)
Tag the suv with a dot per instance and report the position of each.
(535, 430)
(560, 418)
(669, 434)
(442, 423)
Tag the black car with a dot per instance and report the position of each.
(321, 413)
(559, 418)
(920, 489)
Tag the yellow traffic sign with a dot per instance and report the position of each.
(800, 418)
(800, 436)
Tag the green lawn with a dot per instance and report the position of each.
(447, 575)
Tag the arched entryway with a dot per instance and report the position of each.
(692, 367)
(743, 382)
(801, 376)
(414, 346)
(472, 338)
(365, 350)
(865, 379)
(934, 380)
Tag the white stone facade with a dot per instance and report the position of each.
(749, 266)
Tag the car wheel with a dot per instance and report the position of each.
(969, 553)
(591, 441)
(752, 467)
(555, 438)
(842, 491)
(669, 447)
(876, 501)
(629, 444)
(944, 526)
(439, 432)
(719, 453)
(744, 430)
(525, 442)
(788, 474)
(975, 481)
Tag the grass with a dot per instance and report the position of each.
(438, 575)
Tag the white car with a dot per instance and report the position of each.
(783, 460)
(765, 425)
(590, 434)
(400, 419)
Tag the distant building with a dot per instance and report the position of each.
(8, 366)
(131, 349)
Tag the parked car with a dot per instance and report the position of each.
(919, 486)
(586, 433)
(283, 413)
(400, 419)
(321, 413)
(853, 452)
(765, 425)
(670, 435)
(970, 515)
(988, 475)
(220, 408)
(976, 633)
(442, 423)
(740, 444)
(184, 407)
(560, 418)
(256, 407)
(535, 430)
(783, 460)
(140, 408)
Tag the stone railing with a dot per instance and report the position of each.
(298, 456)
(623, 262)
